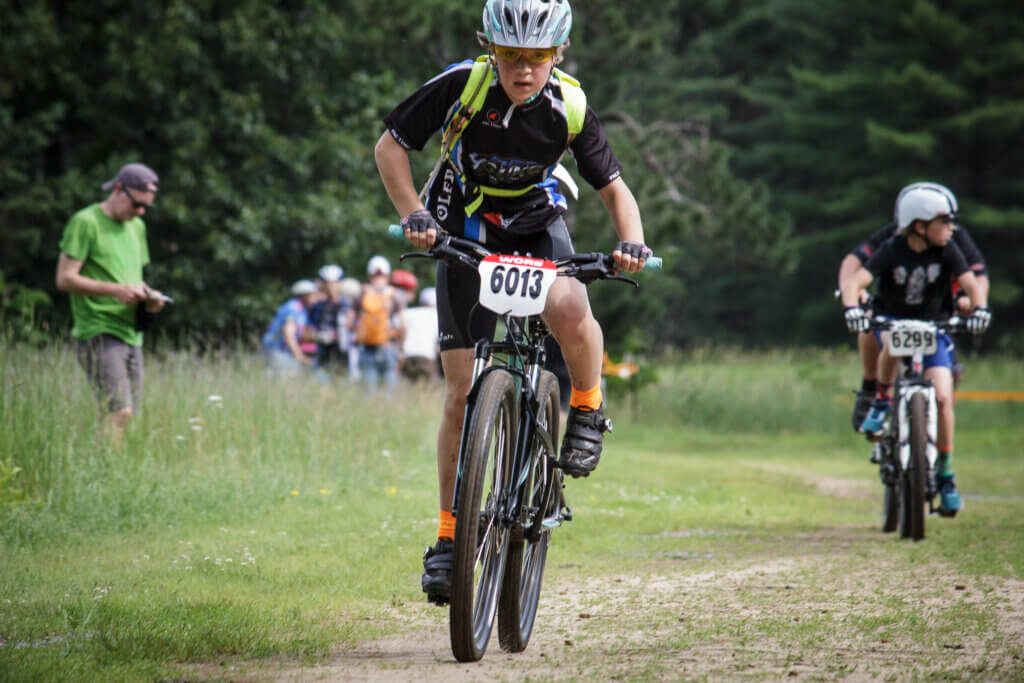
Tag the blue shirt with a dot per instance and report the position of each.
(292, 310)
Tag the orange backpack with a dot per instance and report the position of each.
(374, 325)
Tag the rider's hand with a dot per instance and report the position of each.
(856, 319)
(130, 294)
(631, 256)
(979, 320)
(421, 229)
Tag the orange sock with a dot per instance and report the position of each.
(446, 527)
(586, 399)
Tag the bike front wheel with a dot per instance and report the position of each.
(528, 551)
(913, 479)
(481, 536)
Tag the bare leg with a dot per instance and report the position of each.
(458, 375)
(867, 345)
(569, 317)
(942, 378)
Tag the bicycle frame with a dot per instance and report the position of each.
(523, 344)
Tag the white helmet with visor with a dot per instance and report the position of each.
(924, 204)
(527, 23)
(928, 186)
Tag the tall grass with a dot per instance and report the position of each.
(215, 436)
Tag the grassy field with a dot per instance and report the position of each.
(256, 530)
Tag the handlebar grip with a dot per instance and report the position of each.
(395, 230)
(653, 263)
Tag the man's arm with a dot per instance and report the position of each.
(71, 280)
(621, 205)
(291, 339)
(854, 285)
(969, 282)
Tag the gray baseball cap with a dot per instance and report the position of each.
(136, 176)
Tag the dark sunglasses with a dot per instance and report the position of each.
(136, 204)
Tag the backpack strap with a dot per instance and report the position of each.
(575, 101)
(472, 98)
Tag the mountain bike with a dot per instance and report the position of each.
(509, 493)
(906, 452)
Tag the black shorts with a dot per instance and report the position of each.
(461, 320)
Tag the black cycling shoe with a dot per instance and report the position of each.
(861, 406)
(581, 447)
(437, 571)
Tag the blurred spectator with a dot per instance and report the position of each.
(350, 288)
(281, 342)
(372, 318)
(327, 321)
(420, 347)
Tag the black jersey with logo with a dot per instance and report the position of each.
(915, 284)
(503, 147)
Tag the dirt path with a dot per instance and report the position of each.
(818, 616)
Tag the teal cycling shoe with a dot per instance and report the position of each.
(874, 423)
(949, 497)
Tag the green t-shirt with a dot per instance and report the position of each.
(110, 251)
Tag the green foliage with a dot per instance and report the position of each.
(20, 318)
(763, 140)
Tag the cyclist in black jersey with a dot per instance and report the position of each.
(867, 346)
(913, 270)
(496, 184)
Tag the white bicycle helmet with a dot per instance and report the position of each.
(350, 288)
(924, 185)
(331, 273)
(527, 23)
(304, 287)
(923, 203)
(378, 264)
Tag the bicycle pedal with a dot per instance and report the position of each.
(566, 513)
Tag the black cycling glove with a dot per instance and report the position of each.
(634, 249)
(420, 221)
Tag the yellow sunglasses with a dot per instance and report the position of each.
(534, 55)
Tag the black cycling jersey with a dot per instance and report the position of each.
(961, 238)
(915, 284)
(504, 147)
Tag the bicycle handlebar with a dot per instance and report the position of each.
(585, 267)
(952, 323)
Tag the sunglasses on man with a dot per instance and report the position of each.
(136, 204)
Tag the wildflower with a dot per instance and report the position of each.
(295, 492)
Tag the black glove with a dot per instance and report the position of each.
(634, 249)
(979, 320)
(420, 221)
(856, 319)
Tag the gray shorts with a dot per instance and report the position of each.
(114, 370)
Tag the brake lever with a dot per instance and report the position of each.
(623, 278)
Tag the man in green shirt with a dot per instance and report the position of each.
(102, 255)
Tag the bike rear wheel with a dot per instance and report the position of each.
(889, 472)
(913, 479)
(524, 571)
(481, 538)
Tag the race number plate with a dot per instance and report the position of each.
(517, 285)
(908, 338)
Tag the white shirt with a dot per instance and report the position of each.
(420, 332)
